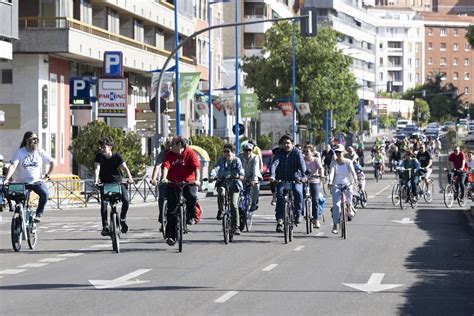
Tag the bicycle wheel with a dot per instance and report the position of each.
(396, 194)
(114, 231)
(16, 230)
(231, 227)
(413, 199)
(249, 221)
(364, 199)
(165, 217)
(180, 228)
(462, 202)
(323, 185)
(225, 227)
(308, 209)
(402, 196)
(428, 191)
(291, 226)
(376, 175)
(32, 233)
(286, 222)
(343, 222)
(448, 196)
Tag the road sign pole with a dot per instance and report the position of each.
(176, 56)
(237, 145)
(293, 79)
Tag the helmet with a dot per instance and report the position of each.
(247, 146)
(357, 167)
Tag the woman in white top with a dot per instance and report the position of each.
(341, 172)
(314, 164)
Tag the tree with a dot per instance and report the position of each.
(439, 107)
(85, 146)
(470, 35)
(323, 77)
(423, 108)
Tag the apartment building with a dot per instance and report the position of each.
(454, 7)
(448, 52)
(417, 5)
(61, 39)
(8, 28)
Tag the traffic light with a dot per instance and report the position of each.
(389, 86)
(308, 25)
(166, 125)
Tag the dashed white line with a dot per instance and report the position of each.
(270, 267)
(12, 271)
(298, 248)
(34, 265)
(388, 186)
(320, 234)
(101, 246)
(371, 196)
(52, 259)
(71, 254)
(226, 297)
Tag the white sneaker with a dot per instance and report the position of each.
(334, 229)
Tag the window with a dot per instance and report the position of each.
(417, 77)
(409, 61)
(430, 75)
(417, 62)
(417, 48)
(455, 47)
(430, 61)
(467, 47)
(430, 46)
(410, 79)
(443, 76)
(443, 32)
(7, 76)
(466, 61)
(381, 61)
(455, 32)
(381, 76)
(455, 61)
(443, 46)
(455, 76)
(381, 46)
(430, 31)
(443, 61)
(466, 76)
(466, 90)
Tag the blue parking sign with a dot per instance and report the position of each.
(113, 66)
(79, 92)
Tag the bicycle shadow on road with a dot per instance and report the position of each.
(443, 266)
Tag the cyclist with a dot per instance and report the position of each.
(180, 165)
(395, 157)
(360, 154)
(288, 165)
(410, 162)
(314, 164)
(228, 166)
(157, 170)
(327, 156)
(458, 161)
(250, 163)
(107, 166)
(378, 160)
(28, 161)
(341, 172)
(351, 154)
(425, 160)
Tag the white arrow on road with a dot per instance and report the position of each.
(373, 285)
(405, 220)
(121, 281)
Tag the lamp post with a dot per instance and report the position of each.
(293, 79)
(176, 70)
(237, 145)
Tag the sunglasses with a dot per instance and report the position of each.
(247, 149)
(226, 151)
(33, 139)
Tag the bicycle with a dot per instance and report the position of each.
(289, 216)
(451, 192)
(377, 171)
(245, 203)
(396, 188)
(22, 225)
(181, 220)
(405, 194)
(360, 197)
(426, 189)
(308, 207)
(344, 212)
(112, 193)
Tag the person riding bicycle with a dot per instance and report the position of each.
(250, 163)
(351, 154)
(360, 154)
(28, 161)
(341, 173)
(180, 165)
(327, 156)
(107, 166)
(395, 157)
(360, 176)
(157, 170)
(410, 162)
(425, 160)
(314, 164)
(228, 167)
(288, 165)
(378, 160)
(458, 161)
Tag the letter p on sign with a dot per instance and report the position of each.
(113, 67)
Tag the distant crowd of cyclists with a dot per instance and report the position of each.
(335, 166)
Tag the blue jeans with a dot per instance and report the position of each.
(336, 203)
(297, 189)
(43, 194)
(314, 190)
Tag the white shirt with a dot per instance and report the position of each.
(30, 164)
(342, 174)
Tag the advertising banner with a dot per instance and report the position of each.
(248, 105)
(113, 94)
(188, 83)
(286, 107)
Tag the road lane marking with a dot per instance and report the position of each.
(71, 254)
(101, 246)
(12, 271)
(270, 267)
(371, 196)
(388, 186)
(52, 259)
(320, 234)
(143, 235)
(226, 297)
(120, 281)
(298, 248)
(34, 265)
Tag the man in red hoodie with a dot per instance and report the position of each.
(180, 164)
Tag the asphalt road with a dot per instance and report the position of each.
(394, 262)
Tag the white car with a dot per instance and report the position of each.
(470, 135)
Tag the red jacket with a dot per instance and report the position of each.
(181, 167)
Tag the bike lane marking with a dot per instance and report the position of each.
(34, 265)
(385, 188)
(270, 267)
(298, 248)
(12, 271)
(226, 297)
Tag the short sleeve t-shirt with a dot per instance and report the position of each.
(30, 164)
(181, 167)
(457, 160)
(109, 167)
(423, 158)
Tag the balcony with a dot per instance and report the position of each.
(67, 36)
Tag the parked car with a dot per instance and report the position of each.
(401, 124)
(448, 125)
(470, 136)
(409, 130)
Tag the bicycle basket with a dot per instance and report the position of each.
(111, 190)
(16, 191)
